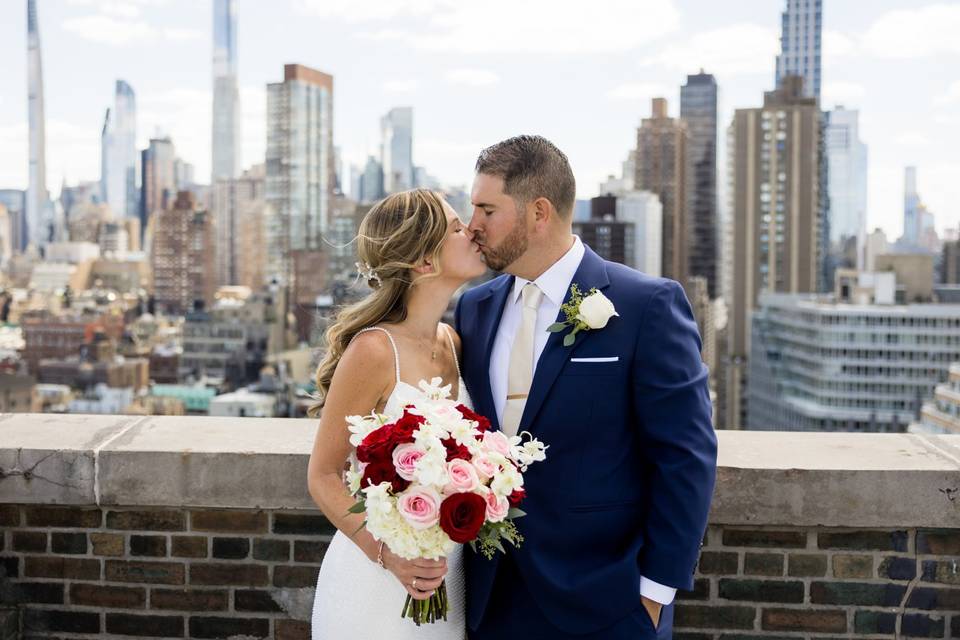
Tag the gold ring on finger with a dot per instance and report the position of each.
(414, 583)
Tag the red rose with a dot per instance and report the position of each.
(482, 423)
(516, 497)
(404, 428)
(383, 471)
(377, 446)
(462, 515)
(455, 450)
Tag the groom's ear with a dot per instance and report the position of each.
(543, 209)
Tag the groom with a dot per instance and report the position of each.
(617, 512)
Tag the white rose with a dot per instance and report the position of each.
(596, 310)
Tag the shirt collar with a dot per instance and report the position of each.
(555, 281)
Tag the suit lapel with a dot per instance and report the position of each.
(591, 273)
(490, 310)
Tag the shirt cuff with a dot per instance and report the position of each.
(656, 591)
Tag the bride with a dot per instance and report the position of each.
(415, 252)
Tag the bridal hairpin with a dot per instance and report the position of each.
(368, 273)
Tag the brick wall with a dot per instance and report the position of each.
(813, 535)
(220, 573)
(824, 582)
(160, 572)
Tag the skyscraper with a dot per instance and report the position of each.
(662, 170)
(396, 151)
(233, 200)
(226, 92)
(698, 109)
(847, 157)
(183, 256)
(912, 207)
(775, 215)
(801, 26)
(299, 157)
(119, 154)
(159, 183)
(37, 206)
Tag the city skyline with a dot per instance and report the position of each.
(468, 98)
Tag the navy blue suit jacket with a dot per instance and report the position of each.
(630, 470)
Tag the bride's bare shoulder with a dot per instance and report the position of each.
(369, 349)
(456, 337)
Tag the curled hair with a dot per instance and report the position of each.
(399, 233)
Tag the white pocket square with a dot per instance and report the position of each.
(610, 359)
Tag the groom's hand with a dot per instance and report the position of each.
(653, 610)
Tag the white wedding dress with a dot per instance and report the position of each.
(358, 600)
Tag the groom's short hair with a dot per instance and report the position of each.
(531, 167)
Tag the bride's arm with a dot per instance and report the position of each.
(363, 377)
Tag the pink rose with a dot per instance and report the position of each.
(405, 459)
(485, 468)
(497, 507)
(463, 477)
(419, 506)
(497, 441)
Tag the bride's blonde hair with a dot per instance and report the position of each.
(399, 233)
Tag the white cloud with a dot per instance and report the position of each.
(370, 10)
(915, 33)
(951, 95)
(912, 139)
(638, 91)
(837, 45)
(117, 24)
(472, 77)
(733, 50)
(112, 31)
(845, 93)
(182, 34)
(507, 26)
(400, 86)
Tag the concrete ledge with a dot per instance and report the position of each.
(765, 477)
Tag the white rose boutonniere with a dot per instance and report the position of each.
(583, 313)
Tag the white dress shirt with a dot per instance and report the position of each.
(554, 282)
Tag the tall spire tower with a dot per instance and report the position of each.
(225, 161)
(37, 195)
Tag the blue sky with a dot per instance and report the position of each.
(581, 73)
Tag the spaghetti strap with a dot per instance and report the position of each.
(396, 353)
(453, 347)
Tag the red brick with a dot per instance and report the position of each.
(210, 627)
(188, 547)
(296, 577)
(148, 572)
(107, 544)
(52, 620)
(61, 568)
(97, 595)
(152, 520)
(229, 521)
(30, 541)
(66, 517)
(138, 625)
(9, 515)
(819, 621)
(189, 600)
(252, 575)
(292, 630)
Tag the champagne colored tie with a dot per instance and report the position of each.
(520, 374)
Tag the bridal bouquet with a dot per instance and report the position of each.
(435, 477)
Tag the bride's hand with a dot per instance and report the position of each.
(419, 577)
